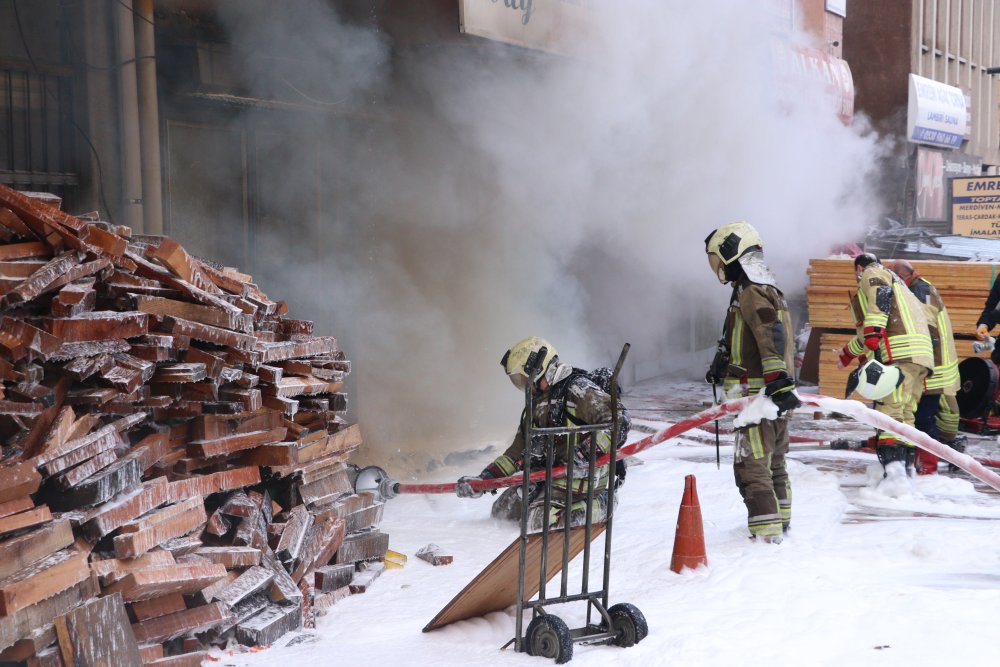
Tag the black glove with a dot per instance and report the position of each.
(781, 392)
(465, 490)
(720, 364)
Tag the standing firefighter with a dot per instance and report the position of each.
(937, 411)
(892, 326)
(563, 397)
(757, 337)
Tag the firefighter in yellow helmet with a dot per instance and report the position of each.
(563, 397)
(891, 326)
(757, 338)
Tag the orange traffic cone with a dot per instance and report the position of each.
(689, 542)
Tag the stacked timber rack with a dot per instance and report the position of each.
(964, 287)
(174, 466)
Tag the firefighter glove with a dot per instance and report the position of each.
(982, 331)
(873, 336)
(781, 391)
(846, 357)
(720, 364)
(464, 490)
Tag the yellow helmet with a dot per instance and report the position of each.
(727, 244)
(516, 357)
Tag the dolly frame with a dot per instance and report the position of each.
(597, 599)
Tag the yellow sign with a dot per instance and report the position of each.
(975, 206)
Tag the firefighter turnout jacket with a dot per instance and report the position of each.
(576, 401)
(888, 313)
(945, 379)
(758, 336)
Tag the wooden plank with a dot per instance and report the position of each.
(327, 489)
(293, 536)
(209, 334)
(20, 552)
(326, 539)
(495, 588)
(170, 626)
(205, 485)
(234, 443)
(163, 515)
(364, 578)
(331, 577)
(97, 325)
(19, 480)
(171, 603)
(85, 470)
(119, 477)
(193, 659)
(26, 250)
(364, 546)
(112, 515)
(20, 624)
(45, 578)
(77, 451)
(434, 555)
(232, 557)
(273, 352)
(267, 626)
(15, 506)
(155, 582)
(33, 517)
(131, 545)
(40, 280)
(98, 634)
(111, 570)
(251, 582)
(194, 312)
(289, 387)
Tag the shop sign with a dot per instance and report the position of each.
(936, 114)
(547, 25)
(838, 7)
(975, 206)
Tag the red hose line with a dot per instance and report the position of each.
(848, 407)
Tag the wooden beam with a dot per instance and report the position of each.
(97, 634)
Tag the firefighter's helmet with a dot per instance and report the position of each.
(515, 359)
(876, 380)
(727, 244)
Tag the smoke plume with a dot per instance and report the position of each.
(475, 194)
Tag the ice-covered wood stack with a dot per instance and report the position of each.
(963, 287)
(174, 465)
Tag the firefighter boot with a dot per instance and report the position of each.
(927, 463)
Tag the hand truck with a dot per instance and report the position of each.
(548, 635)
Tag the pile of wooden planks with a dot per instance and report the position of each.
(174, 466)
(964, 287)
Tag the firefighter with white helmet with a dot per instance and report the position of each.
(757, 353)
(563, 397)
(891, 327)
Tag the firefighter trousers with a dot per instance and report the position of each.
(902, 403)
(761, 476)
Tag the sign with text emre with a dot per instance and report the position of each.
(975, 206)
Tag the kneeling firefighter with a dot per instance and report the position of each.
(758, 338)
(563, 397)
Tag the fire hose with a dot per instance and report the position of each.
(389, 488)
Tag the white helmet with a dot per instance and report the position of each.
(876, 380)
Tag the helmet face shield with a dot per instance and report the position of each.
(519, 380)
(718, 268)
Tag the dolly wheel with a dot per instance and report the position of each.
(628, 624)
(548, 636)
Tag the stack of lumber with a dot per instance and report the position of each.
(964, 287)
(174, 465)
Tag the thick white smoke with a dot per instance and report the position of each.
(479, 194)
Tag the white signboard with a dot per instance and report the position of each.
(548, 25)
(936, 114)
(838, 7)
